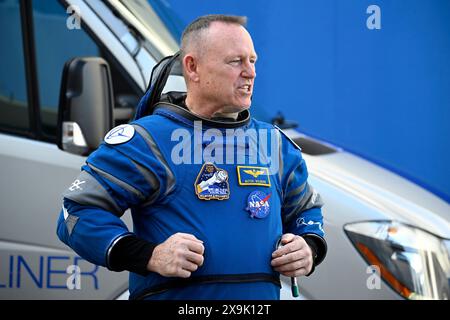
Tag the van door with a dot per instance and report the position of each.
(36, 40)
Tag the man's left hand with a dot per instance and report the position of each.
(294, 258)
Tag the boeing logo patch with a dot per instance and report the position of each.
(212, 183)
(301, 222)
(258, 204)
(76, 185)
(120, 134)
(253, 176)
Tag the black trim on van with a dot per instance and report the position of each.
(313, 147)
(26, 13)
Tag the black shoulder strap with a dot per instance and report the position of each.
(158, 79)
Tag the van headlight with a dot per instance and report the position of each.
(412, 261)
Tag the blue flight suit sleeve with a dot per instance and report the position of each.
(301, 209)
(115, 177)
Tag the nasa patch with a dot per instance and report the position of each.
(212, 183)
(258, 204)
(120, 134)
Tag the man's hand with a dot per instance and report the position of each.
(178, 256)
(294, 258)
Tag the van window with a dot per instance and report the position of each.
(56, 42)
(13, 90)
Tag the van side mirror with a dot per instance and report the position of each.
(86, 105)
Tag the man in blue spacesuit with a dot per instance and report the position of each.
(211, 190)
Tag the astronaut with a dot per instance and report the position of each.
(202, 230)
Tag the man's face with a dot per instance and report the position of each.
(226, 69)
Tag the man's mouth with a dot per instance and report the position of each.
(246, 89)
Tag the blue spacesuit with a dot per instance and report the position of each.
(178, 174)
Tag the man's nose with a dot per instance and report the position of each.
(249, 71)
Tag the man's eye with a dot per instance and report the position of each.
(236, 61)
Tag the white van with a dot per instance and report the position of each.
(388, 238)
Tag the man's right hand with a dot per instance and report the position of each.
(178, 256)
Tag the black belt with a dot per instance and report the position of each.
(223, 278)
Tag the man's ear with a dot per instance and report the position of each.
(190, 65)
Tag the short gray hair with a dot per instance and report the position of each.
(195, 28)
